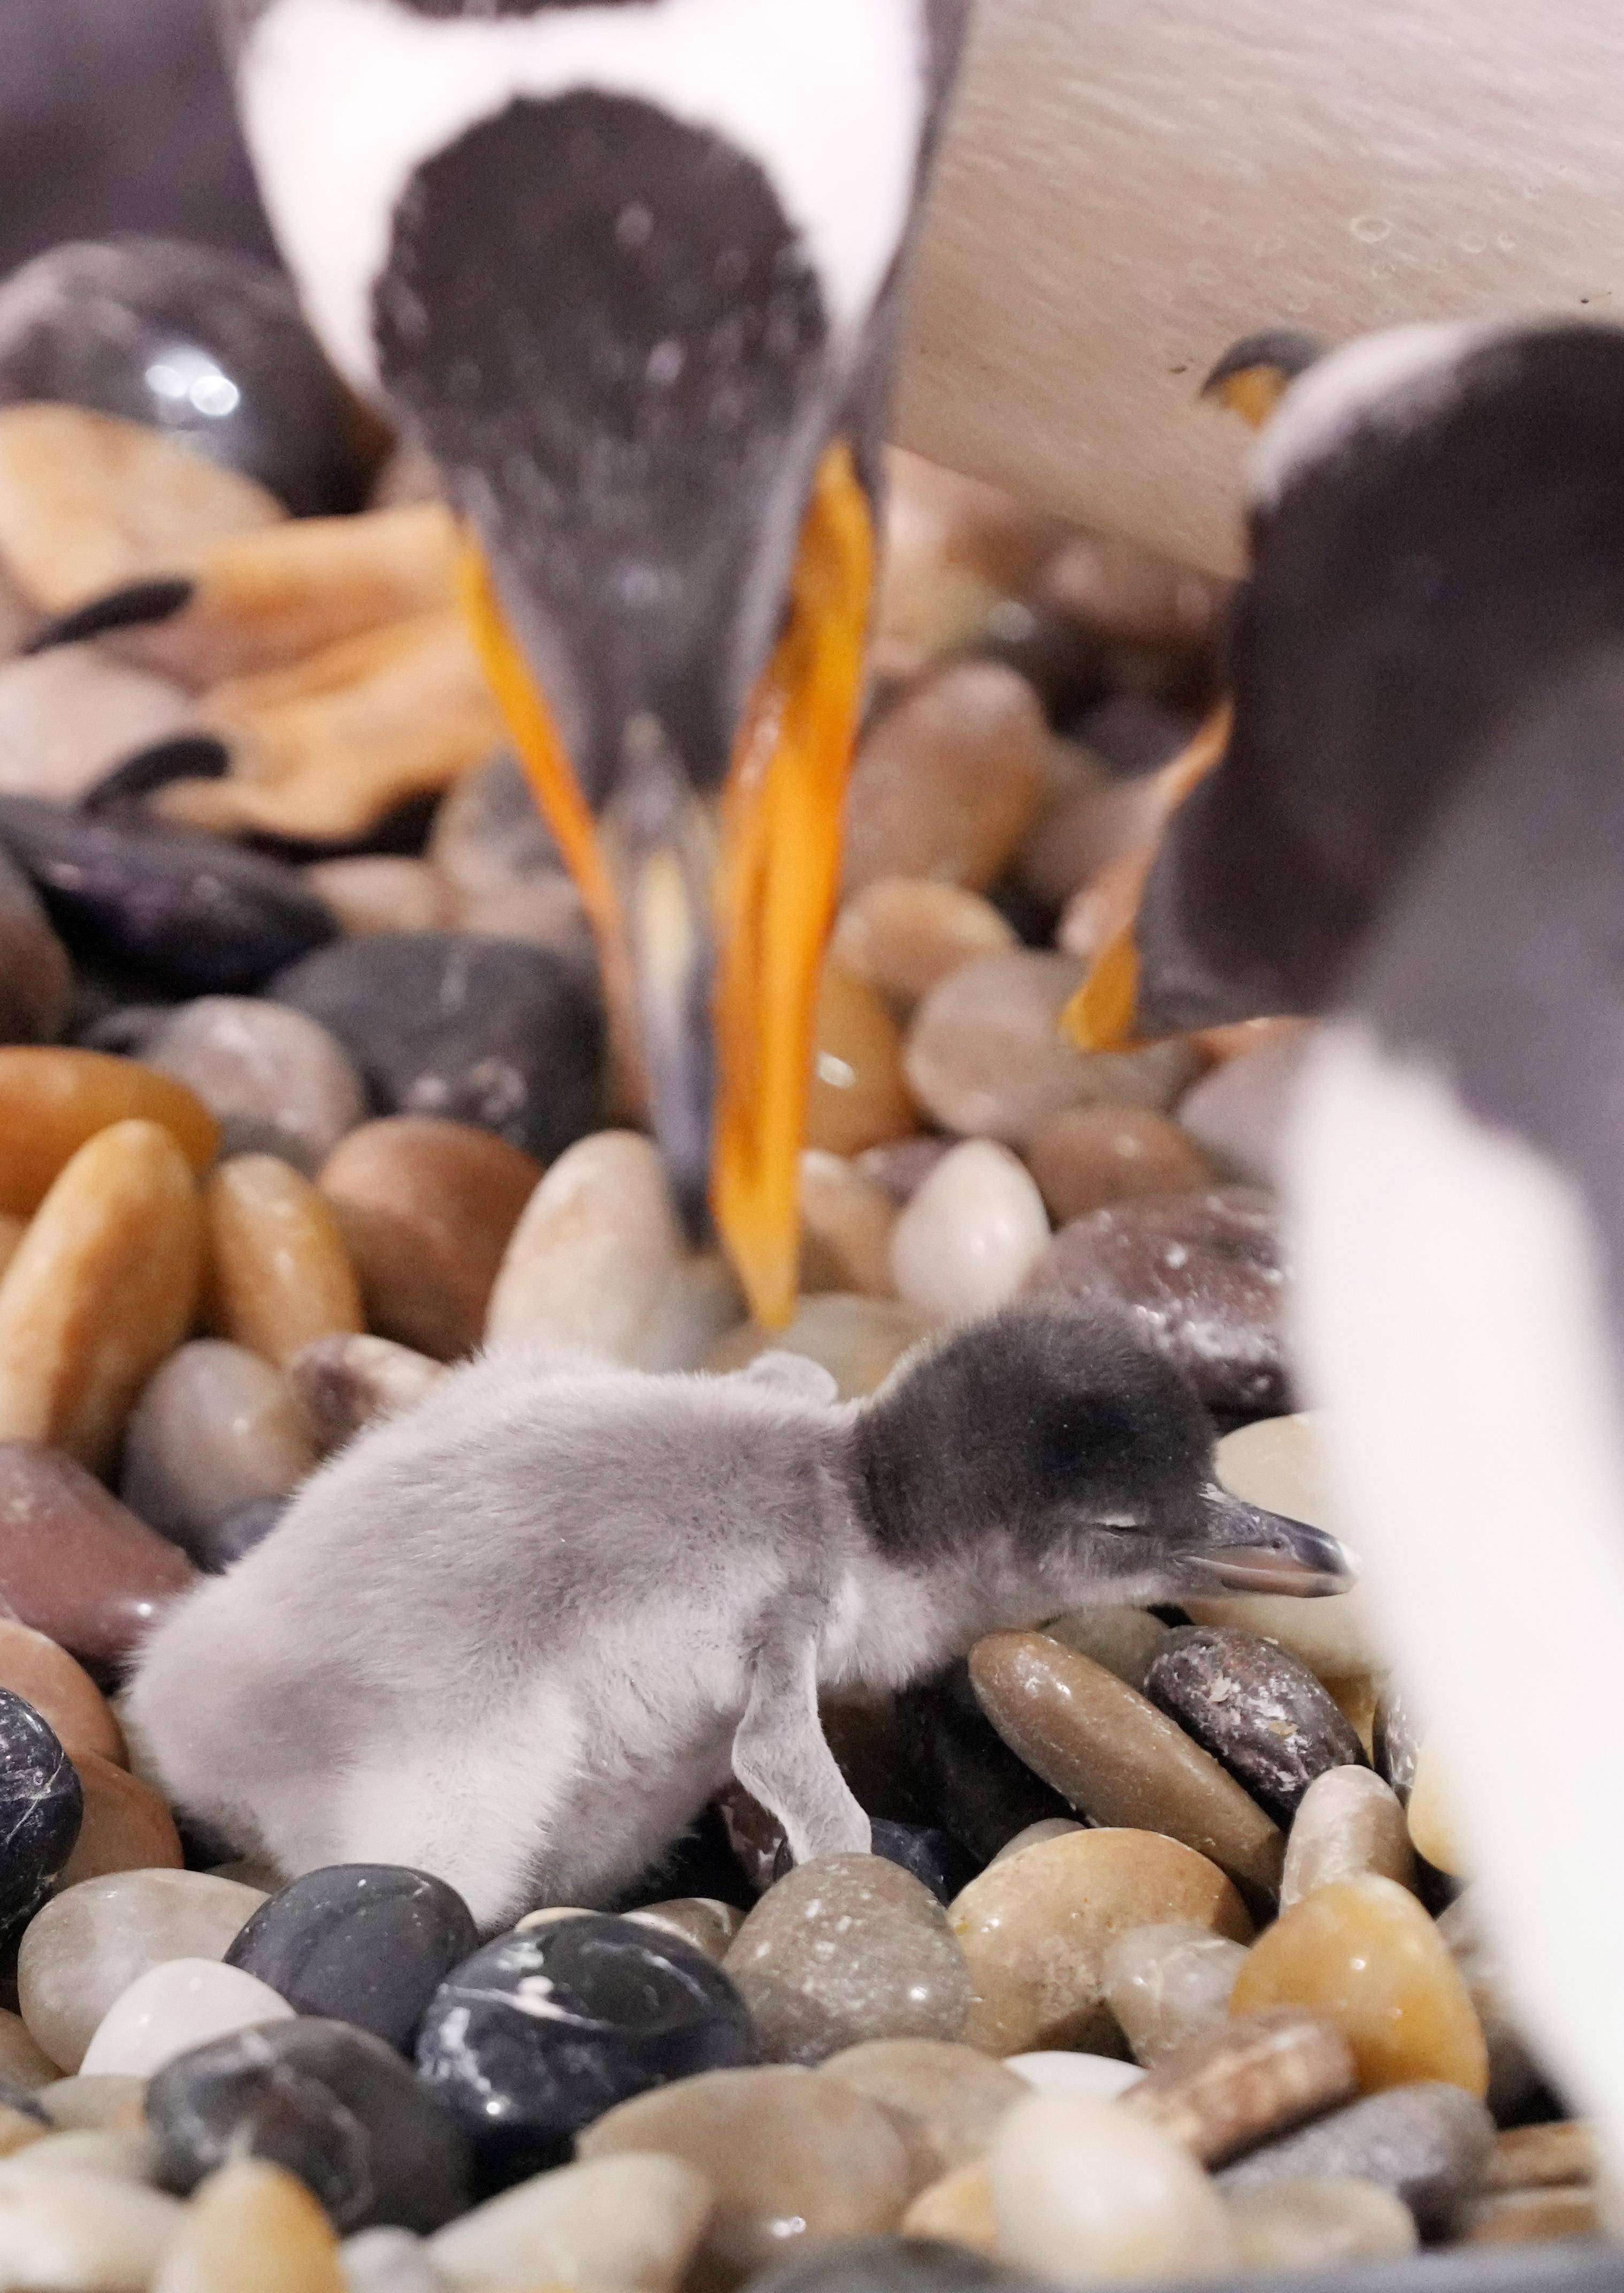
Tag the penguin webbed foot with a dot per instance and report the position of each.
(780, 1754)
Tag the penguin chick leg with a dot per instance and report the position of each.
(781, 1755)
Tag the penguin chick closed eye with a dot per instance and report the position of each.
(520, 1635)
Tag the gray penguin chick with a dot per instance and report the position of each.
(520, 1635)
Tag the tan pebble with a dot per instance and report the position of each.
(700, 1920)
(23, 2062)
(593, 1253)
(1035, 1931)
(68, 716)
(106, 2102)
(126, 2152)
(11, 1231)
(1431, 1812)
(615, 2225)
(1086, 2194)
(1307, 2225)
(947, 780)
(280, 1275)
(859, 1340)
(79, 2233)
(1086, 1156)
(958, 2210)
(971, 1234)
(1531, 2217)
(1355, 1695)
(1116, 1757)
(1363, 1953)
(251, 2228)
(126, 1827)
(1036, 1835)
(1544, 2157)
(426, 1207)
(1125, 1640)
(1348, 1822)
(1167, 1981)
(857, 1096)
(382, 891)
(944, 2100)
(52, 1100)
(846, 1222)
(792, 2160)
(103, 1287)
(342, 1383)
(1245, 2079)
(901, 934)
(47, 1677)
(19, 2131)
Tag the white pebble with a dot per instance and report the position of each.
(171, 2008)
(1064, 2073)
(1085, 2194)
(615, 2225)
(971, 1234)
(74, 2233)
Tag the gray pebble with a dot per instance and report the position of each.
(1428, 2144)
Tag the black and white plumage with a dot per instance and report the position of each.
(521, 1635)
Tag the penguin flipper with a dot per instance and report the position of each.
(780, 1754)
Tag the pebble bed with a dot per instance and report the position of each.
(1164, 1965)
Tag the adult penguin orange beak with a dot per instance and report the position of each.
(632, 273)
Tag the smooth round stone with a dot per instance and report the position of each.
(52, 1100)
(790, 2159)
(1100, 2074)
(169, 2010)
(81, 2233)
(1545, 2157)
(280, 1275)
(75, 1564)
(971, 1236)
(1315, 2224)
(22, 2125)
(277, 1082)
(426, 1209)
(1259, 1712)
(1086, 2194)
(333, 2105)
(36, 976)
(593, 1255)
(69, 715)
(859, 1340)
(1054, 1827)
(1087, 1156)
(944, 2100)
(1246, 2078)
(365, 1943)
(89, 1944)
(251, 2228)
(1125, 1640)
(126, 1827)
(61, 1692)
(846, 1222)
(40, 1809)
(1348, 1822)
(1115, 1757)
(483, 1030)
(858, 1096)
(1035, 1931)
(102, 1287)
(382, 891)
(947, 780)
(1238, 1113)
(193, 914)
(1202, 1276)
(846, 1947)
(1364, 1953)
(987, 1055)
(626, 2009)
(389, 2261)
(22, 2063)
(901, 934)
(107, 2105)
(1514, 2073)
(217, 1429)
(617, 2224)
(342, 1383)
(1534, 2217)
(981, 1792)
(700, 1920)
(956, 2211)
(1168, 1982)
(1427, 2143)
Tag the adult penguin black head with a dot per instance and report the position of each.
(631, 271)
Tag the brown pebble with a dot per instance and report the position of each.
(252, 2227)
(944, 2100)
(901, 934)
(52, 1100)
(858, 1096)
(104, 1286)
(796, 2161)
(343, 1382)
(126, 1826)
(279, 1274)
(1544, 2157)
(1247, 2078)
(47, 1677)
(1531, 2217)
(1313, 2225)
(1349, 1822)
(1086, 1156)
(1035, 1931)
(956, 2210)
(1116, 1757)
(23, 2062)
(383, 891)
(425, 1207)
(76, 1564)
(846, 1222)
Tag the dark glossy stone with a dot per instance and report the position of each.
(892, 2265)
(217, 1549)
(931, 1856)
(74, 1562)
(206, 346)
(35, 980)
(367, 1943)
(1428, 2144)
(333, 2105)
(1259, 1712)
(1203, 1278)
(981, 1793)
(541, 2032)
(190, 913)
(41, 1806)
(486, 1031)
(1397, 1740)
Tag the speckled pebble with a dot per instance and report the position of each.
(1259, 1712)
(41, 1806)
(1428, 2144)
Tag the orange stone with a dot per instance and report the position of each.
(61, 1692)
(858, 1096)
(958, 2210)
(251, 2228)
(279, 1274)
(1363, 1954)
(52, 1100)
(126, 1826)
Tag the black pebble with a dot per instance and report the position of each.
(333, 2105)
(367, 1943)
(541, 2032)
(1259, 1712)
(218, 1548)
(981, 1793)
(932, 1857)
(891, 2265)
(41, 1807)
(492, 1032)
(167, 909)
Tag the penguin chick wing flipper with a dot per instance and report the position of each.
(780, 1754)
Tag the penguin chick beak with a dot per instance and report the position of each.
(1246, 1550)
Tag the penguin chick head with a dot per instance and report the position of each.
(1053, 1450)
